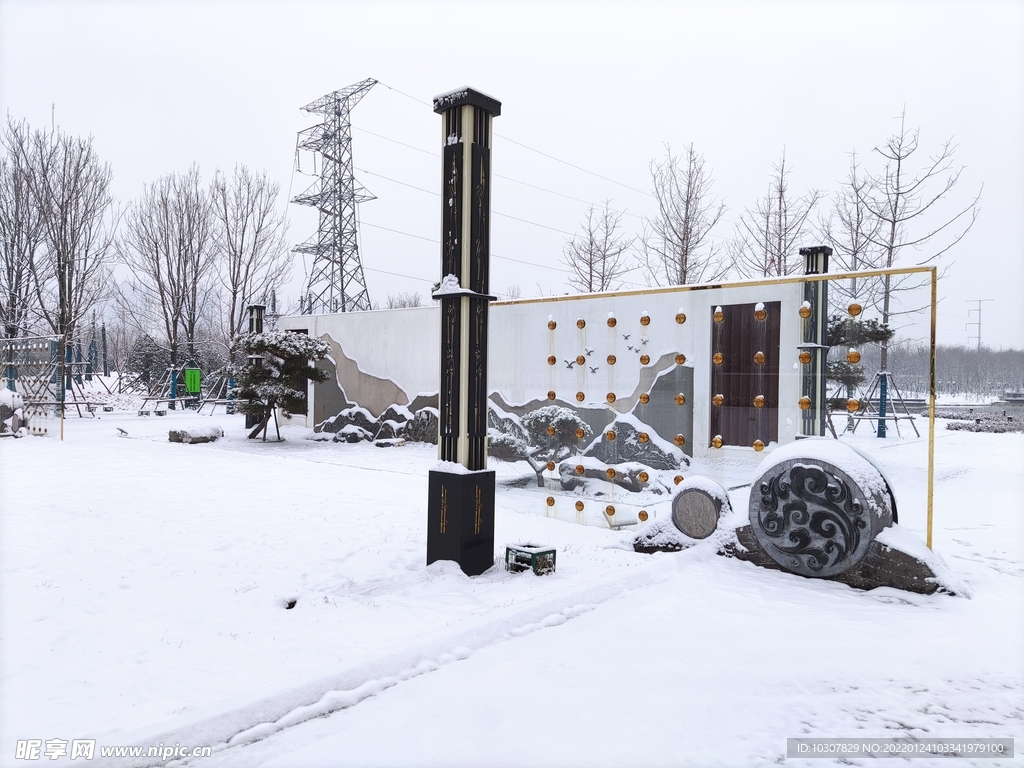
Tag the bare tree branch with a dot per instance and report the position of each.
(675, 244)
(768, 237)
(71, 188)
(166, 244)
(596, 255)
(21, 228)
(252, 255)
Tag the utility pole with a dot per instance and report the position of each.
(979, 302)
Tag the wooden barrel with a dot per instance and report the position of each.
(816, 506)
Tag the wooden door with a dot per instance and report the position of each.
(745, 374)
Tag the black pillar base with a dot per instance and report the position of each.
(460, 519)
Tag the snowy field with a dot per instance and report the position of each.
(145, 585)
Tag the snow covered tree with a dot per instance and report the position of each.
(846, 332)
(276, 374)
(551, 434)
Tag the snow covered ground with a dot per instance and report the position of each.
(145, 584)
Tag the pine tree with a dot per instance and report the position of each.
(549, 434)
(276, 374)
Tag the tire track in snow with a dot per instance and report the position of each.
(247, 723)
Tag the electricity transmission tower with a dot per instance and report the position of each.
(336, 282)
(979, 302)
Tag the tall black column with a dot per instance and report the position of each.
(815, 335)
(460, 510)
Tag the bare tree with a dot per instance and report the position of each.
(676, 246)
(850, 230)
(768, 237)
(514, 292)
(906, 204)
(252, 255)
(595, 256)
(404, 300)
(71, 189)
(21, 228)
(166, 244)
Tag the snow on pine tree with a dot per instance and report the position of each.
(554, 433)
(276, 374)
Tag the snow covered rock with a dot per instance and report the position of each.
(11, 416)
(354, 415)
(896, 558)
(423, 427)
(506, 423)
(661, 536)
(628, 446)
(351, 433)
(195, 434)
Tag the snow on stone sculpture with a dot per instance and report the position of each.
(816, 507)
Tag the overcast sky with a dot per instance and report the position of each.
(602, 86)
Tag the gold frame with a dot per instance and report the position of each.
(932, 271)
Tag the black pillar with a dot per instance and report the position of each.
(256, 312)
(460, 509)
(815, 337)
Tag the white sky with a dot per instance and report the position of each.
(600, 85)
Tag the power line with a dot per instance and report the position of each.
(438, 194)
(396, 141)
(496, 175)
(571, 165)
(543, 154)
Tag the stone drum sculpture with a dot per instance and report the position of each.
(817, 505)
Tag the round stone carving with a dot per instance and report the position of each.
(695, 513)
(813, 518)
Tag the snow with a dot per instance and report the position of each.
(711, 488)
(142, 593)
(11, 399)
(207, 431)
(859, 469)
(449, 285)
(454, 468)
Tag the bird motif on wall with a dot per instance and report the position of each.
(570, 363)
(589, 351)
(631, 348)
(626, 336)
(593, 368)
(644, 339)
